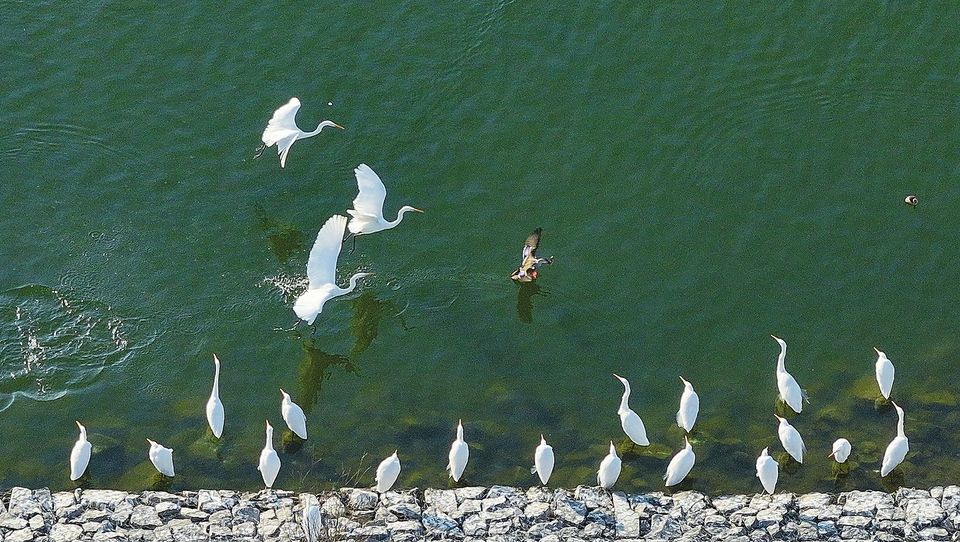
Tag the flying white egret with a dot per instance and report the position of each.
(689, 407)
(367, 209)
(311, 520)
(387, 473)
(162, 458)
(898, 447)
(293, 415)
(790, 392)
(629, 420)
(609, 469)
(80, 454)
(282, 129)
(269, 465)
(322, 271)
(214, 406)
(459, 454)
(841, 450)
(791, 440)
(543, 460)
(885, 370)
(767, 471)
(527, 272)
(680, 465)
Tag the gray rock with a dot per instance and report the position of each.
(245, 529)
(65, 532)
(933, 533)
(23, 503)
(362, 499)
(770, 516)
(571, 511)
(664, 526)
(950, 499)
(122, 512)
(210, 501)
(627, 520)
(36, 522)
(193, 514)
(405, 510)
(854, 521)
(442, 500)
(472, 493)
(103, 498)
(22, 535)
(593, 497)
(498, 513)
(474, 526)
(167, 509)
(246, 513)
(536, 512)
(861, 503)
(12, 522)
(145, 517)
(545, 530)
(513, 496)
(410, 527)
(728, 504)
(924, 512)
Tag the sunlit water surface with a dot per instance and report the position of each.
(705, 175)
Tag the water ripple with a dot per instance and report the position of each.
(52, 343)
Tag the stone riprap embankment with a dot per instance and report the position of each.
(475, 513)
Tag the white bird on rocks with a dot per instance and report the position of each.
(543, 460)
(884, 370)
(767, 471)
(293, 415)
(162, 458)
(322, 271)
(689, 407)
(790, 392)
(367, 209)
(680, 465)
(269, 465)
(841, 450)
(898, 447)
(80, 454)
(609, 469)
(387, 473)
(312, 520)
(214, 406)
(629, 420)
(282, 129)
(791, 440)
(459, 454)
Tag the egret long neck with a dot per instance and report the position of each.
(216, 378)
(781, 357)
(269, 444)
(460, 432)
(353, 283)
(625, 399)
(900, 432)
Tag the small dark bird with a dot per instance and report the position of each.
(911, 201)
(529, 264)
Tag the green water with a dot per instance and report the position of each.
(705, 175)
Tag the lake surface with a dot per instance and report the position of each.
(705, 175)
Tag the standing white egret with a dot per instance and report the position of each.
(387, 473)
(680, 465)
(80, 454)
(767, 471)
(841, 450)
(885, 370)
(282, 129)
(459, 454)
(898, 447)
(543, 460)
(689, 407)
(322, 271)
(367, 209)
(790, 392)
(609, 469)
(311, 520)
(162, 458)
(791, 440)
(293, 415)
(214, 406)
(629, 420)
(269, 465)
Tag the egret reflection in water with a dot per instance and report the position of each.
(284, 239)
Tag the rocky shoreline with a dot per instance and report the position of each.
(497, 513)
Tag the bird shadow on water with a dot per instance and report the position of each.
(525, 295)
(283, 238)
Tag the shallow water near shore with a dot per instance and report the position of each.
(704, 176)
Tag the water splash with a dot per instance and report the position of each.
(52, 343)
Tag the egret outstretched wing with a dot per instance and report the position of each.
(369, 200)
(322, 263)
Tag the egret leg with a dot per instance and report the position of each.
(259, 151)
(354, 243)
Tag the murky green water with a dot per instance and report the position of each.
(705, 175)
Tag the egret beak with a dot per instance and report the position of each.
(877, 349)
(338, 126)
(417, 210)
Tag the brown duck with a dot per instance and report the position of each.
(529, 264)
